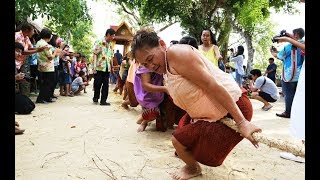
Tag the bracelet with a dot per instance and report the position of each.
(238, 124)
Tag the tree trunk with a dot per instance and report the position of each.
(248, 40)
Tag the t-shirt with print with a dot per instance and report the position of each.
(44, 64)
(26, 43)
(104, 53)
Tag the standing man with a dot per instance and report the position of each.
(271, 70)
(102, 66)
(116, 69)
(292, 59)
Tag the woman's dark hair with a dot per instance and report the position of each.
(45, 33)
(240, 51)
(145, 37)
(189, 40)
(53, 40)
(25, 26)
(212, 36)
(65, 46)
(18, 46)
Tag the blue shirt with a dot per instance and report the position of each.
(34, 58)
(285, 56)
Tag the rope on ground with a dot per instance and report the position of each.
(298, 150)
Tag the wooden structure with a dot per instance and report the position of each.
(123, 36)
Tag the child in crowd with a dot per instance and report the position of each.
(65, 76)
(149, 91)
(77, 84)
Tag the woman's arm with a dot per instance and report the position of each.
(292, 41)
(217, 52)
(188, 64)
(147, 86)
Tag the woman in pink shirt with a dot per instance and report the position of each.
(206, 93)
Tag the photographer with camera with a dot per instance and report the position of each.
(292, 58)
(263, 89)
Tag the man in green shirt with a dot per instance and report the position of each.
(102, 65)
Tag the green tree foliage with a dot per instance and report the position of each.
(62, 13)
(81, 39)
(68, 19)
(246, 17)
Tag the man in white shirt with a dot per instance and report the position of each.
(263, 89)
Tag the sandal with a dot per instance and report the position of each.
(266, 108)
(292, 157)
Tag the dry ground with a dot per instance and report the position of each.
(73, 138)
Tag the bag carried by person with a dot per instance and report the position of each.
(23, 104)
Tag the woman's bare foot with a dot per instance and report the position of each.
(143, 126)
(187, 172)
(139, 121)
(125, 106)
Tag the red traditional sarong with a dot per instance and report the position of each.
(150, 114)
(211, 142)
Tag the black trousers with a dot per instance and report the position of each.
(101, 79)
(56, 79)
(46, 80)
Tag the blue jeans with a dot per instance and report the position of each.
(239, 78)
(288, 90)
(113, 77)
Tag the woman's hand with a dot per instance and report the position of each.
(246, 129)
(19, 76)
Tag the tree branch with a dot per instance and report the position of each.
(130, 13)
(166, 26)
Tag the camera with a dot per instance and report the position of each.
(282, 34)
(274, 49)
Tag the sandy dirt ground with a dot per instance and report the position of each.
(73, 138)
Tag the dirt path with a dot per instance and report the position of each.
(73, 138)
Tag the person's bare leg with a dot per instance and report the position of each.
(192, 167)
(143, 125)
(139, 121)
(68, 90)
(62, 91)
(259, 98)
(125, 92)
(125, 104)
(79, 90)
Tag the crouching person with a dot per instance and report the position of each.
(263, 89)
(78, 84)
